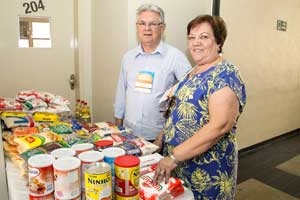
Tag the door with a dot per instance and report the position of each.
(41, 69)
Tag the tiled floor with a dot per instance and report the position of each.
(270, 171)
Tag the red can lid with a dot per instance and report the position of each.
(127, 161)
(104, 143)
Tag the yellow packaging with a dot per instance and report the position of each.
(45, 117)
(98, 183)
(28, 142)
(127, 175)
(13, 114)
(135, 197)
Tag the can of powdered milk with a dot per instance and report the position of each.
(40, 175)
(127, 175)
(98, 181)
(87, 158)
(67, 183)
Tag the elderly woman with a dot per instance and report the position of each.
(199, 137)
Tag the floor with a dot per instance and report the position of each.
(270, 171)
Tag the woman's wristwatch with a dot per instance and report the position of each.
(171, 155)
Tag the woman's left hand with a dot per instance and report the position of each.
(163, 170)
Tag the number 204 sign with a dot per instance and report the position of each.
(33, 6)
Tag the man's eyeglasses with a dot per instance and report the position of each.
(150, 24)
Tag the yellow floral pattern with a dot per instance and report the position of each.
(211, 175)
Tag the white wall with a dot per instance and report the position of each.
(269, 62)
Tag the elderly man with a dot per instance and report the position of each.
(147, 71)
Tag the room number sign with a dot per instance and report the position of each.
(33, 6)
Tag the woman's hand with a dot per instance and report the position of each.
(163, 170)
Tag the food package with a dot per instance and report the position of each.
(14, 119)
(131, 148)
(147, 169)
(44, 149)
(26, 95)
(61, 128)
(10, 150)
(9, 137)
(90, 127)
(12, 153)
(49, 98)
(116, 138)
(145, 146)
(149, 160)
(28, 142)
(22, 131)
(10, 104)
(45, 117)
(161, 191)
(35, 104)
(108, 128)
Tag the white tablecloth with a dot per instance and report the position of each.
(17, 185)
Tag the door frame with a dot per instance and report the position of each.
(84, 53)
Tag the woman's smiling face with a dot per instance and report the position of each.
(202, 44)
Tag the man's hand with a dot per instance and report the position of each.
(118, 122)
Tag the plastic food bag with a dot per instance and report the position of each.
(161, 191)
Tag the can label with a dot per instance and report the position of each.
(40, 180)
(67, 184)
(46, 197)
(87, 158)
(98, 183)
(135, 197)
(76, 198)
(127, 180)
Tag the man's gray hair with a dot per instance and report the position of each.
(153, 8)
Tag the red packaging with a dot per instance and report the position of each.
(151, 191)
(127, 175)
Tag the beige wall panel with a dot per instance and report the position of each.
(269, 62)
(177, 15)
(110, 43)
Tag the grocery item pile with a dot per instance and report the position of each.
(42, 142)
(33, 101)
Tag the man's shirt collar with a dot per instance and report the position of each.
(161, 49)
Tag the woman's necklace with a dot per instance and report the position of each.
(202, 68)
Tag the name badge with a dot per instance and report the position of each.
(144, 81)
